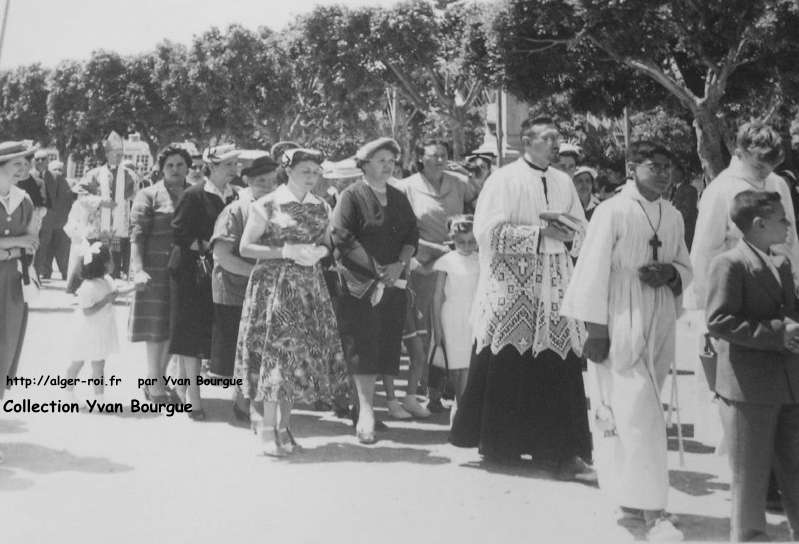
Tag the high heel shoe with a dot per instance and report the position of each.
(276, 449)
(291, 446)
(157, 398)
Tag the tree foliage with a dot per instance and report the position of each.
(714, 60)
(23, 102)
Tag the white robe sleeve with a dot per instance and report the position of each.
(791, 246)
(587, 296)
(709, 238)
(492, 227)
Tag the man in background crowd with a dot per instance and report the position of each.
(53, 242)
(116, 184)
(684, 197)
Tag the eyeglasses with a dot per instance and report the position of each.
(384, 162)
(437, 156)
(660, 168)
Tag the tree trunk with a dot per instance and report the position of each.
(456, 126)
(709, 143)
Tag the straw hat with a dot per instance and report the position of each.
(11, 150)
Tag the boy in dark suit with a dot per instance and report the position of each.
(752, 312)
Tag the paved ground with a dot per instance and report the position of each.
(138, 478)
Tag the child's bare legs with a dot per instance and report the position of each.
(98, 374)
(72, 372)
(458, 379)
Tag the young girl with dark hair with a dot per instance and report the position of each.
(95, 334)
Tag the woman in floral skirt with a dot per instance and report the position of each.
(288, 347)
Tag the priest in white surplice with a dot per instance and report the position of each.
(525, 393)
(626, 288)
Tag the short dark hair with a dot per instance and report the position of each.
(424, 144)
(96, 268)
(528, 124)
(292, 157)
(643, 150)
(603, 183)
(170, 151)
(761, 140)
(747, 205)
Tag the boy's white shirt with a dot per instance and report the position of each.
(769, 260)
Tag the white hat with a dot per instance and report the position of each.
(341, 169)
(219, 153)
(12, 150)
(585, 170)
(370, 148)
(570, 147)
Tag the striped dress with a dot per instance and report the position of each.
(150, 226)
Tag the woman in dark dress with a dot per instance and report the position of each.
(232, 272)
(150, 244)
(375, 235)
(192, 307)
(17, 239)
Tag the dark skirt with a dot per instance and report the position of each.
(517, 404)
(371, 336)
(224, 337)
(191, 307)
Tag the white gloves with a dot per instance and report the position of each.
(377, 294)
(303, 254)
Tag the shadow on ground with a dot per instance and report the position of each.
(696, 484)
(42, 460)
(690, 446)
(705, 529)
(12, 426)
(338, 452)
(524, 468)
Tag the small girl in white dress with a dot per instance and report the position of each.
(95, 334)
(456, 285)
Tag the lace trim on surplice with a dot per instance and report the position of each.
(521, 304)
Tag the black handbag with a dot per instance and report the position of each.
(709, 358)
(203, 266)
(439, 377)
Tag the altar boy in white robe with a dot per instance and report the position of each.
(626, 287)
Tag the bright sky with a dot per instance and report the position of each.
(49, 31)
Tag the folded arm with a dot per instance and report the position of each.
(727, 317)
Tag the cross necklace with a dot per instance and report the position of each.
(654, 242)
